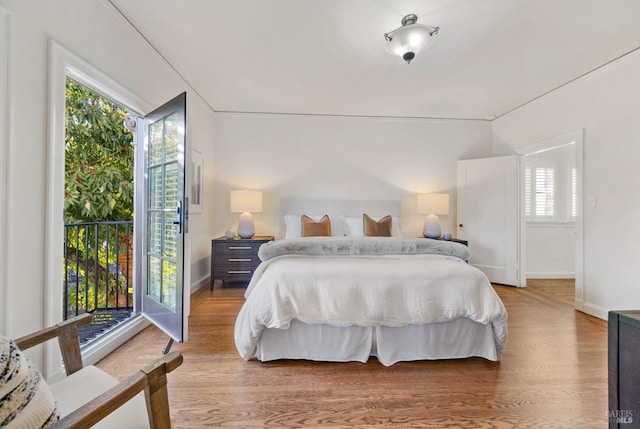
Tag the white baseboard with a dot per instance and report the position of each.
(551, 275)
(592, 310)
(200, 283)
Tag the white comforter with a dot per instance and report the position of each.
(387, 290)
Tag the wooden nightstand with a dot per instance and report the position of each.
(624, 373)
(235, 260)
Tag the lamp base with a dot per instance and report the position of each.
(432, 226)
(246, 228)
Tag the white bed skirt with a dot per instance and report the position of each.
(457, 339)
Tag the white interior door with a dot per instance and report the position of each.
(488, 215)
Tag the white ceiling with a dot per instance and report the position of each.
(329, 57)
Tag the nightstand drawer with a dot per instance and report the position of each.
(236, 259)
(235, 266)
(233, 273)
(238, 250)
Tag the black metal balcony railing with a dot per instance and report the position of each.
(98, 273)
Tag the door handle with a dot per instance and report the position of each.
(460, 225)
(179, 221)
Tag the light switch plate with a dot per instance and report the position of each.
(591, 202)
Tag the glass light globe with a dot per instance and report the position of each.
(408, 40)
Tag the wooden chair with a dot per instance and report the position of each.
(88, 396)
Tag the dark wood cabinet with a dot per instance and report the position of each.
(234, 260)
(624, 369)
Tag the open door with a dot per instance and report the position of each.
(161, 218)
(488, 215)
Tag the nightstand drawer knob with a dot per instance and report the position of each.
(239, 272)
(239, 259)
(240, 247)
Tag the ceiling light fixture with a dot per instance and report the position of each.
(408, 40)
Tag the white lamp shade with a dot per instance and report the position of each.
(433, 203)
(246, 201)
(410, 38)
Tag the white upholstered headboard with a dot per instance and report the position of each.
(351, 208)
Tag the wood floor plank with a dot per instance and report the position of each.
(553, 374)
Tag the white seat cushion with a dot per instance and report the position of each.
(80, 387)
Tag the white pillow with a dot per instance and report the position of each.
(354, 226)
(293, 225)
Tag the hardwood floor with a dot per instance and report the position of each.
(552, 375)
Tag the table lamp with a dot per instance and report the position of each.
(246, 202)
(433, 204)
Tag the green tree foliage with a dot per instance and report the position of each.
(98, 188)
(98, 159)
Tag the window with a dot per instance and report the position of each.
(550, 192)
(539, 188)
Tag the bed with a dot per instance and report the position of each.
(346, 298)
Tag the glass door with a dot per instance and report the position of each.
(164, 219)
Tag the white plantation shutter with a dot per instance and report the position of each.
(544, 191)
(550, 191)
(540, 193)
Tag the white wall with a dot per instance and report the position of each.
(606, 104)
(288, 156)
(200, 129)
(96, 33)
(550, 251)
(4, 137)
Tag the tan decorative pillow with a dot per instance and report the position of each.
(372, 228)
(311, 228)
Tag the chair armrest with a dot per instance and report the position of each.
(152, 379)
(46, 334)
(67, 333)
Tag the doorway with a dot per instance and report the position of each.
(64, 64)
(551, 232)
